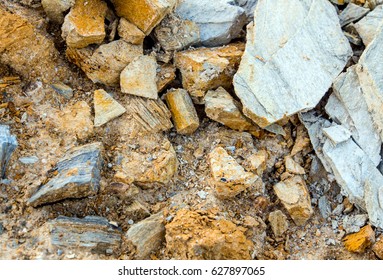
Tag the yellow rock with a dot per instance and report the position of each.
(105, 107)
(358, 242)
(166, 73)
(378, 247)
(293, 167)
(206, 69)
(130, 33)
(84, 24)
(257, 162)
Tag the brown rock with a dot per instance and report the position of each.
(56, 8)
(295, 198)
(184, 115)
(130, 33)
(145, 14)
(105, 108)
(278, 222)
(358, 242)
(104, 64)
(378, 247)
(200, 236)
(293, 167)
(302, 142)
(166, 73)
(205, 69)
(140, 77)
(257, 162)
(228, 177)
(84, 24)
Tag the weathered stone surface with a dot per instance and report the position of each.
(92, 233)
(360, 241)
(166, 73)
(378, 247)
(293, 167)
(368, 26)
(55, 9)
(219, 21)
(147, 235)
(202, 236)
(249, 7)
(324, 207)
(221, 107)
(337, 133)
(78, 175)
(139, 77)
(295, 198)
(352, 13)
(145, 14)
(84, 24)
(184, 115)
(27, 51)
(130, 33)
(206, 69)
(154, 162)
(104, 64)
(285, 71)
(256, 162)
(354, 223)
(278, 222)
(228, 177)
(105, 107)
(8, 144)
(175, 34)
(63, 90)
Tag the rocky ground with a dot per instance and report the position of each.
(145, 130)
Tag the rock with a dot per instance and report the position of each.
(206, 69)
(360, 241)
(29, 160)
(92, 233)
(368, 26)
(63, 90)
(377, 248)
(352, 13)
(219, 21)
(139, 77)
(354, 223)
(56, 8)
(340, 2)
(337, 134)
(249, 7)
(8, 144)
(105, 63)
(278, 222)
(7, 81)
(166, 73)
(184, 115)
(202, 236)
(302, 141)
(256, 162)
(27, 51)
(145, 14)
(221, 107)
(295, 198)
(137, 210)
(105, 108)
(293, 167)
(228, 177)
(271, 66)
(84, 24)
(76, 175)
(352, 36)
(154, 162)
(175, 34)
(324, 207)
(147, 236)
(130, 33)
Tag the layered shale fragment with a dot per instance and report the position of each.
(8, 144)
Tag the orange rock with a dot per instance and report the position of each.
(358, 242)
(204, 69)
(130, 33)
(378, 247)
(166, 73)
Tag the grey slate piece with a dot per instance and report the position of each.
(8, 144)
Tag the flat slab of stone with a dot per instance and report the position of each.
(368, 26)
(352, 13)
(78, 175)
(8, 144)
(106, 108)
(130, 33)
(287, 70)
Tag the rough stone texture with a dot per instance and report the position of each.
(8, 144)
(147, 236)
(324, 207)
(154, 162)
(219, 21)
(293, 167)
(130, 33)
(352, 13)
(206, 69)
(105, 108)
(221, 107)
(378, 247)
(202, 236)
(256, 162)
(278, 222)
(27, 51)
(175, 34)
(63, 90)
(337, 134)
(166, 73)
(368, 26)
(285, 71)
(228, 177)
(76, 175)
(55, 9)
(360, 241)
(91, 233)
(295, 198)
(347, 106)
(140, 77)
(354, 223)
(249, 7)
(104, 64)
(145, 14)
(184, 115)
(84, 24)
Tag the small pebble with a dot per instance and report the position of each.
(59, 252)
(71, 256)
(110, 165)
(202, 194)
(109, 251)
(29, 160)
(130, 222)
